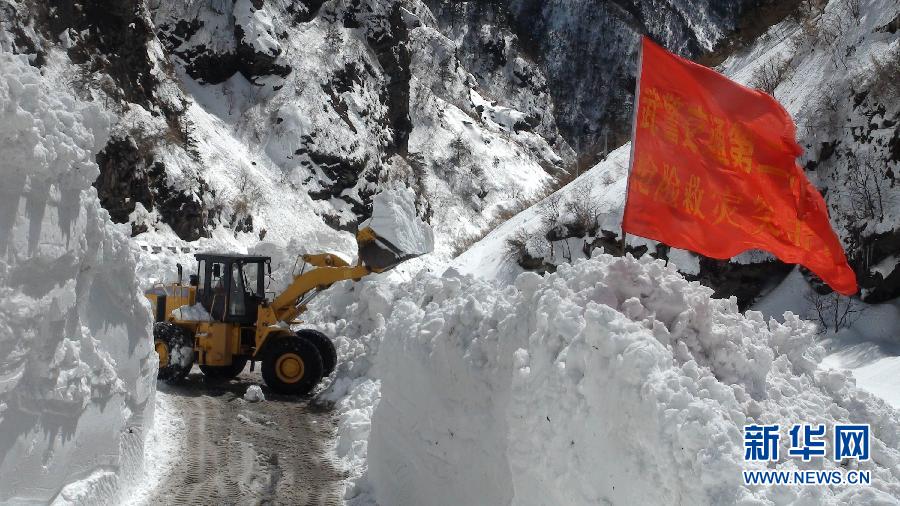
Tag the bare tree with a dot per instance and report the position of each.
(446, 71)
(459, 152)
(528, 248)
(826, 110)
(551, 211)
(809, 10)
(769, 75)
(584, 210)
(333, 35)
(833, 311)
(852, 7)
(867, 186)
(248, 197)
(832, 32)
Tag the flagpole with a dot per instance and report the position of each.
(634, 124)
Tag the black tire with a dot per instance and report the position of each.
(326, 349)
(225, 372)
(175, 347)
(291, 365)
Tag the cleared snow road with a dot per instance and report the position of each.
(231, 451)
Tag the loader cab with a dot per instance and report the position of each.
(231, 287)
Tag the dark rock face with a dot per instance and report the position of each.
(746, 282)
(124, 179)
(586, 49)
(116, 30)
(388, 39)
(304, 11)
(254, 63)
(12, 19)
(184, 212)
(234, 52)
(343, 172)
(128, 177)
(856, 168)
(387, 35)
(200, 62)
(878, 285)
(111, 38)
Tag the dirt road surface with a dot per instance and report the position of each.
(278, 451)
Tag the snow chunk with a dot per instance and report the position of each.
(254, 394)
(195, 313)
(394, 219)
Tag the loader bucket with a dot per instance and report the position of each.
(378, 254)
(394, 233)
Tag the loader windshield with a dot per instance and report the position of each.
(236, 306)
(253, 279)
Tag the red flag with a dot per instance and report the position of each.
(714, 170)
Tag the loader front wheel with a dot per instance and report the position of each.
(292, 365)
(325, 347)
(175, 347)
(225, 372)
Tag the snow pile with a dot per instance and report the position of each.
(611, 381)
(394, 220)
(77, 371)
(354, 314)
(195, 313)
(254, 394)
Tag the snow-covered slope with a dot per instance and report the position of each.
(833, 70)
(77, 373)
(280, 121)
(613, 380)
(499, 254)
(581, 51)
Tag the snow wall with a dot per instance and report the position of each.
(611, 381)
(77, 370)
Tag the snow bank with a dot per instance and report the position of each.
(612, 381)
(77, 372)
(354, 315)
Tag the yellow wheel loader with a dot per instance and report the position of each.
(223, 318)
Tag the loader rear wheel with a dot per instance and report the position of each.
(292, 365)
(225, 372)
(175, 347)
(325, 347)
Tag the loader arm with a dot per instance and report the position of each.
(375, 255)
(328, 270)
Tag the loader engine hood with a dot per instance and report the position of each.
(394, 233)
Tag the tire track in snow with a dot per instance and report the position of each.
(279, 451)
